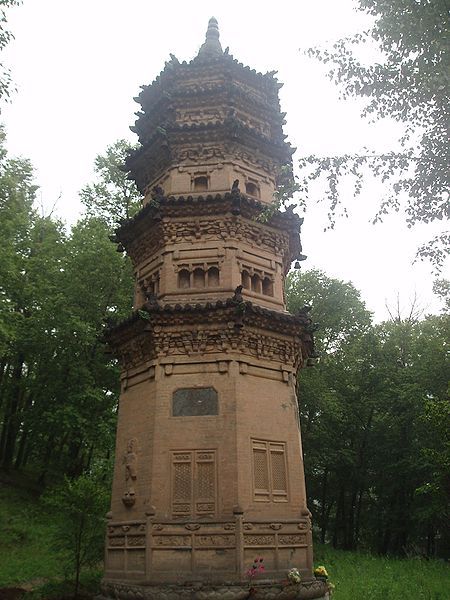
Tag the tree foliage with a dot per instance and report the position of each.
(79, 506)
(112, 197)
(58, 388)
(410, 85)
(5, 38)
(375, 424)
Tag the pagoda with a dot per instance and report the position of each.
(208, 471)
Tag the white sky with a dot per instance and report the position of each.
(78, 65)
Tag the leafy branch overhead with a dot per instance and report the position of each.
(112, 197)
(5, 37)
(410, 86)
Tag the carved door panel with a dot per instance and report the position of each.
(194, 483)
(269, 471)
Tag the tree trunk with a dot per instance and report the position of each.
(21, 451)
(3, 374)
(350, 533)
(11, 425)
(339, 519)
(323, 519)
(358, 515)
(46, 462)
(24, 437)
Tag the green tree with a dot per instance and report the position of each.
(58, 388)
(336, 304)
(79, 507)
(332, 428)
(112, 197)
(432, 497)
(374, 420)
(24, 287)
(410, 85)
(76, 385)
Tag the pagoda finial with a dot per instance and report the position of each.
(212, 44)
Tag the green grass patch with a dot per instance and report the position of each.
(57, 589)
(25, 538)
(361, 576)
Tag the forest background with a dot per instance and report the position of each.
(374, 410)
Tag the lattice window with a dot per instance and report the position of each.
(278, 472)
(205, 481)
(194, 483)
(182, 483)
(261, 471)
(269, 471)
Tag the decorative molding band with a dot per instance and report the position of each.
(271, 590)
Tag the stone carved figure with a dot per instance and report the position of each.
(130, 462)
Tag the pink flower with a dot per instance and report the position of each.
(257, 567)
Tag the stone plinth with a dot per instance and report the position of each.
(165, 551)
(260, 590)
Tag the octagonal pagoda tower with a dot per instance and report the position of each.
(209, 470)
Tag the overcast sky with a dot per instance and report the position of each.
(78, 65)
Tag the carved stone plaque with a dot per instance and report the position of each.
(195, 402)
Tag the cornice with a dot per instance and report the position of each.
(230, 129)
(191, 206)
(165, 153)
(160, 331)
(200, 67)
(224, 94)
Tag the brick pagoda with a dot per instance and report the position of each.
(209, 471)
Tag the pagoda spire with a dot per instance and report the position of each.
(212, 45)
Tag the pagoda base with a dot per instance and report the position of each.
(260, 590)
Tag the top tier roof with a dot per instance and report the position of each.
(209, 55)
(211, 98)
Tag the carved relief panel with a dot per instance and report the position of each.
(131, 468)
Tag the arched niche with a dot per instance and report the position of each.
(252, 189)
(213, 277)
(267, 286)
(245, 280)
(256, 283)
(200, 183)
(199, 278)
(184, 279)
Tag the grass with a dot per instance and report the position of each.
(25, 533)
(61, 589)
(27, 558)
(360, 576)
